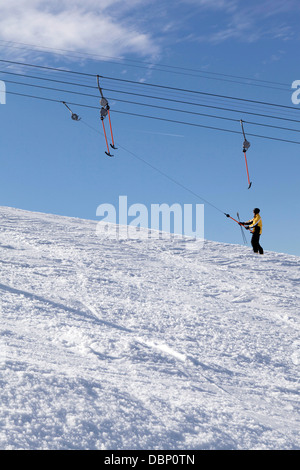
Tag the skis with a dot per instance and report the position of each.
(238, 222)
(243, 235)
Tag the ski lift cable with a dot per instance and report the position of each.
(144, 96)
(147, 84)
(173, 180)
(140, 158)
(278, 139)
(140, 63)
(158, 107)
(158, 170)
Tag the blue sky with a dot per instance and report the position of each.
(247, 50)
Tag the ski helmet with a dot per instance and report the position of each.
(256, 210)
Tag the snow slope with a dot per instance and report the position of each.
(143, 344)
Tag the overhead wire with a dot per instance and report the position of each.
(165, 99)
(153, 117)
(209, 127)
(155, 85)
(158, 118)
(150, 105)
(143, 64)
(154, 97)
(198, 92)
(145, 96)
(159, 107)
(170, 178)
(232, 108)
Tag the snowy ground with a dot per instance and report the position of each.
(143, 344)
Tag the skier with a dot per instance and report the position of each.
(256, 225)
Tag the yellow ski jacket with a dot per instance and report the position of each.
(255, 222)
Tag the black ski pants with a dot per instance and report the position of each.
(255, 243)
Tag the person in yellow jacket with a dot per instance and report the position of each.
(255, 226)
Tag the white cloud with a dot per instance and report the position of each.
(120, 28)
(99, 27)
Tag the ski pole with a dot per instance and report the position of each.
(108, 152)
(249, 182)
(246, 145)
(242, 231)
(112, 137)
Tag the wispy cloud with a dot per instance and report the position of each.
(225, 5)
(246, 22)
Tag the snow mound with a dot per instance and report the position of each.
(146, 343)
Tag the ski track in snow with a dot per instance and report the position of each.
(146, 343)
